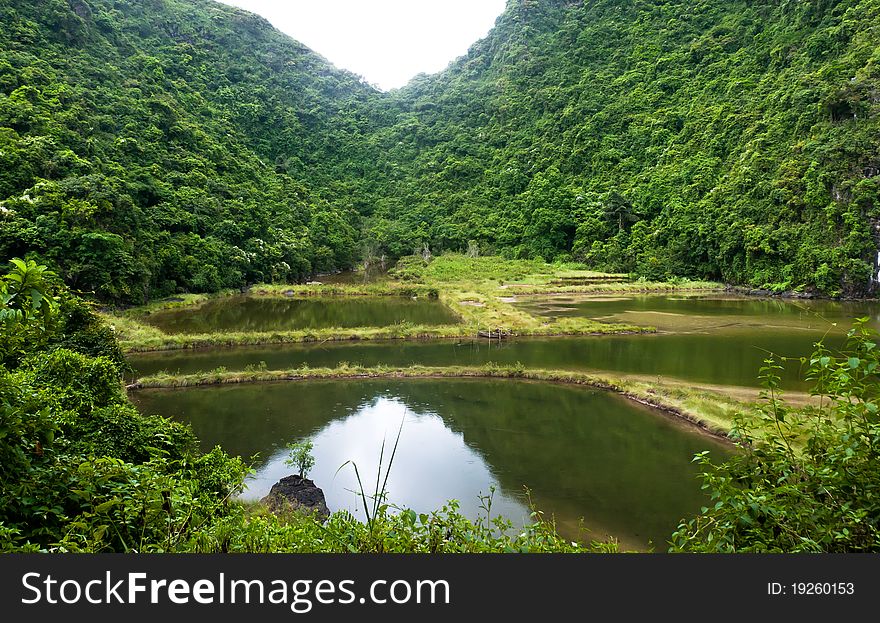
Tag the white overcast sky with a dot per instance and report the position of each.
(385, 41)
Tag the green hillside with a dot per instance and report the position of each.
(150, 148)
(153, 147)
(735, 140)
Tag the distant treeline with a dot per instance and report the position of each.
(148, 148)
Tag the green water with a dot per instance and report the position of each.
(730, 359)
(716, 340)
(243, 313)
(624, 468)
(709, 313)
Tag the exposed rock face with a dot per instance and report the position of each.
(294, 492)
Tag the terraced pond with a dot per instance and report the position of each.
(625, 468)
(244, 313)
(712, 340)
(730, 358)
(711, 314)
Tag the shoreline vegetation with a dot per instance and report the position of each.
(480, 291)
(801, 480)
(710, 411)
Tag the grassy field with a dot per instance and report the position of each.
(478, 290)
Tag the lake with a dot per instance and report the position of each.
(625, 468)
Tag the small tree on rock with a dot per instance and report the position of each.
(300, 457)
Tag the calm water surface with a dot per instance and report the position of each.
(624, 468)
(244, 313)
(709, 313)
(726, 359)
(716, 340)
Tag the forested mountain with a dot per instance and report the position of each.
(151, 147)
(154, 146)
(736, 139)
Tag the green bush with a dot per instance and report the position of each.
(300, 457)
(804, 480)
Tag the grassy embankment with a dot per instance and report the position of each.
(479, 290)
(712, 411)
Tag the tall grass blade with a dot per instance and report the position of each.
(393, 453)
(379, 493)
(378, 478)
(361, 487)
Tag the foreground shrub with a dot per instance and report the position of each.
(806, 480)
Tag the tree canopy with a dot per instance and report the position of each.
(149, 148)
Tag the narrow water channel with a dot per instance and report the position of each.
(713, 340)
(624, 468)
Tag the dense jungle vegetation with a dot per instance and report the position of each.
(148, 148)
(736, 140)
(151, 148)
(159, 147)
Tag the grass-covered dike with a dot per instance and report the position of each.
(711, 411)
(479, 290)
(82, 471)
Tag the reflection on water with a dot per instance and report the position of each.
(432, 464)
(623, 467)
(583, 453)
(730, 359)
(243, 313)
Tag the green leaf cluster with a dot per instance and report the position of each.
(806, 479)
(736, 141)
(81, 470)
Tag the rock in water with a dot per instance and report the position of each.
(295, 492)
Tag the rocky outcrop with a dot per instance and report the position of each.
(297, 493)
